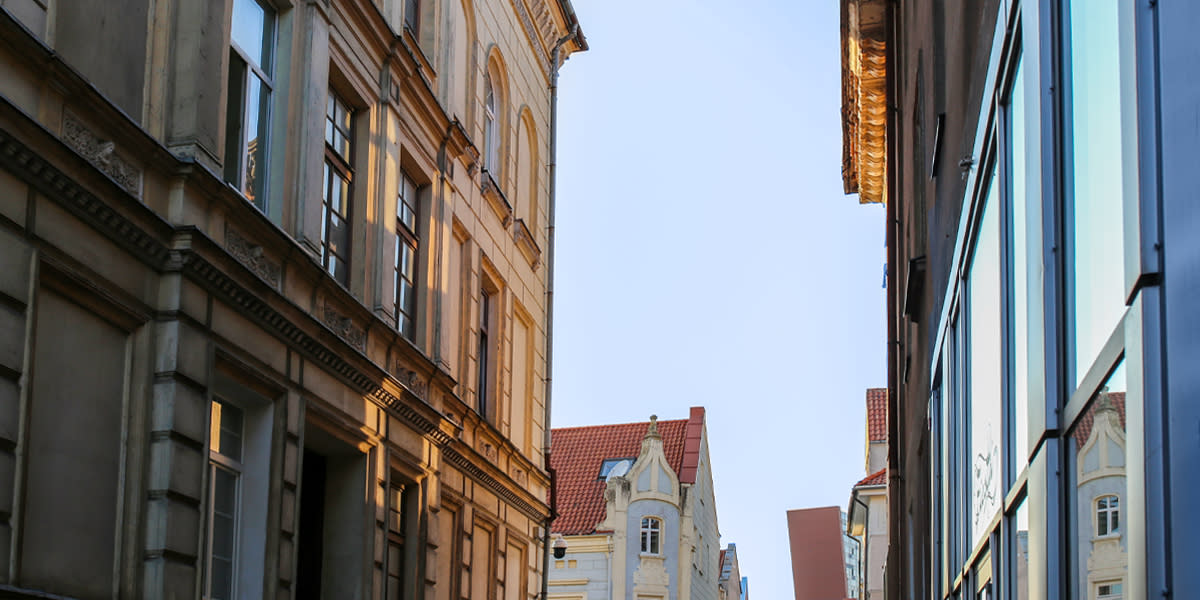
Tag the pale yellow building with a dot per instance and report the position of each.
(274, 299)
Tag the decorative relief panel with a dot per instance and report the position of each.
(102, 154)
(410, 379)
(251, 255)
(345, 328)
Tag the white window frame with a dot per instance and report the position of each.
(491, 128)
(1108, 515)
(651, 536)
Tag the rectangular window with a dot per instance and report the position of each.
(225, 471)
(1102, 165)
(651, 531)
(335, 200)
(248, 101)
(1096, 464)
(405, 266)
(399, 498)
(482, 391)
(983, 318)
(412, 17)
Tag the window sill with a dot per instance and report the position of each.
(525, 242)
(495, 197)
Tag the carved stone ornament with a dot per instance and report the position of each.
(410, 379)
(519, 476)
(345, 328)
(252, 256)
(102, 154)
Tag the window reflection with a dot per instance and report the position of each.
(1097, 176)
(1097, 461)
(1021, 552)
(984, 384)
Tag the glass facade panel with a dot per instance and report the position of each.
(983, 310)
(1097, 178)
(1020, 569)
(1096, 462)
(1026, 290)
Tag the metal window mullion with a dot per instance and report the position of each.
(253, 66)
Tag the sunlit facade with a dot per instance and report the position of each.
(270, 327)
(1042, 264)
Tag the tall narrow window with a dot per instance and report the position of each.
(1103, 172)
(406, 257)
(412, 17)
(491, 134)
(252, 44)
(651, 531)
(335, 200)
(224, 476)
(1108, 515)
(485, 309)
(398, 500)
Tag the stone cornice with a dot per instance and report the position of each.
(864, 100)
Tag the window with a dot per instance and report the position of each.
(399, 500)
(1108, 591)
(491, 133)
(1108, 515)
(1102, 167)
(481, 392)
(412, 17)
(406, 257)
(224, 476)
(651, 530)
(610, 464)
(252, 42)
(335, 200)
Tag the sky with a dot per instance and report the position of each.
(707, 256)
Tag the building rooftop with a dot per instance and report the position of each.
(877, 478)
(577, 454)
(877, 415)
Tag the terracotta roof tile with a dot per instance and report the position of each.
(576, 454)
(1083, 429)
(877, 478)
(877, 415)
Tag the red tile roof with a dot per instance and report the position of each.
(877, 478)
(576, 454)
(1083, 430)
(877, 415)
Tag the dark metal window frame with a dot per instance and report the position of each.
(340, 170)
(406, 236)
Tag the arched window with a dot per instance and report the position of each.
(651, 532)
(491, 129)
(1108, 515)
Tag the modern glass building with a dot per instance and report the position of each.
(1035, 158)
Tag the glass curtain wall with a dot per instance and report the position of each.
(1015, 301)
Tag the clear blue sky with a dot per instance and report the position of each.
(707, 255)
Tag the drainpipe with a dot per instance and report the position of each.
(863, 547)
(550, 302)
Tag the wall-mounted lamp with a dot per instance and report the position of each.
(560, 546)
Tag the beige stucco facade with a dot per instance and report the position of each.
(158, 275)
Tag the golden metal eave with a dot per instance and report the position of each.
(864, 100)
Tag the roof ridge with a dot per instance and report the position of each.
(646, 422)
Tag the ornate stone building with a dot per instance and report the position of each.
(638, 512)
(275, 296)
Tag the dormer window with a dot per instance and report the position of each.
(651, 532)
(615, 467)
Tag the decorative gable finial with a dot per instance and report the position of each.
(652, 431)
